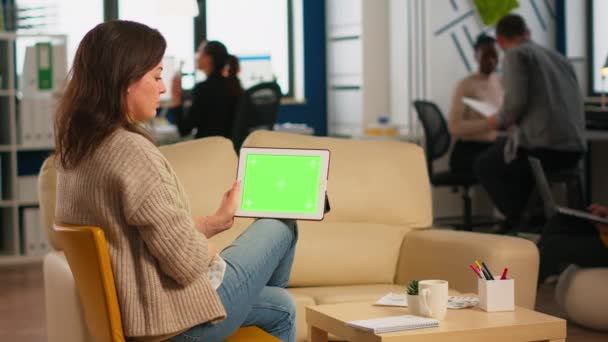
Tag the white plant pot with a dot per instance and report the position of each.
(413, 304)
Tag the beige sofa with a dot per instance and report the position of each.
(374, 240)
(582, 294)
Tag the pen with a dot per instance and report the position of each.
(504, 274)
(481, 270)
(487, 270)
(476, 271)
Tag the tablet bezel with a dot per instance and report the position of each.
(320, 210)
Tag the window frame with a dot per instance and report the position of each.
(200, 35)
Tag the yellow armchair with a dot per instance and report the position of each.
(87, 254)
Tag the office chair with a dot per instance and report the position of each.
(437, 144)
(257, 109)
(86, 251)
(575, 193)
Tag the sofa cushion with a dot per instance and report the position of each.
(347, 293)
(369, 181)
(582, 299)
(343, 253)
(206, 168)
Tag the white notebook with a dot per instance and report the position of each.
(394, 323)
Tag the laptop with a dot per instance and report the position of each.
(549, 202)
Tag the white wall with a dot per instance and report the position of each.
(576, 39)
(426, 62)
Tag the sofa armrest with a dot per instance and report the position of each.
(444, 254)
(64, 316)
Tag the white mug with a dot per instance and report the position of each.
(433, 298)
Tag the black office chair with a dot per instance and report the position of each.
(257, 109)
(573, 180)
(437, 144)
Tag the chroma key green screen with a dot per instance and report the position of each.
(275, 183)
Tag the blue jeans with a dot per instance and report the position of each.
(258, 265)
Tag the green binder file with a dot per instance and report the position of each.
(44, 63)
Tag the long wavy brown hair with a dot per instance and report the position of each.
(110, 58)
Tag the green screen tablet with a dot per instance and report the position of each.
(282, 183)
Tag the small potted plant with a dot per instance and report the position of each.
(412, 297)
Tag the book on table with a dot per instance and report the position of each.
(394, 323)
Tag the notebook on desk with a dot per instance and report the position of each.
(394, 323)
(549, 201)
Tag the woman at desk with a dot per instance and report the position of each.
(468, 126)
(213, 100)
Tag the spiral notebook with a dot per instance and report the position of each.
(394, 323)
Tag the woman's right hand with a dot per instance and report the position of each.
(176, 90)
(223, 217)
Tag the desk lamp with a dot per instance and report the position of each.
(604, 73)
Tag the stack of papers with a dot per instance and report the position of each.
(394, 323)
(400, 299)
(481, 107)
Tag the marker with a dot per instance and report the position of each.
(504, 274)
(476, 271)
(487, 270)
(477, 264)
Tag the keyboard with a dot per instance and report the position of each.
(596, 119)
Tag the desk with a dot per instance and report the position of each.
(471, 324)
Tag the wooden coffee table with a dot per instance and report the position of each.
(471, 325)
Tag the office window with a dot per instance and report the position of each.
(258, 32)
(57, 17)
(177, 29)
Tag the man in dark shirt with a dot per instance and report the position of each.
(543, 113)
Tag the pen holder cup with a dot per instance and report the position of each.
(496, 295)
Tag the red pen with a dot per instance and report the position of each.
(504, 274)
(476, 271)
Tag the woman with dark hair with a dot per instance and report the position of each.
(231, 72)
(470, 128)
(170, 281)
(213, 100)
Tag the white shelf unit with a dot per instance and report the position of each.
(357, 64)
(11, 205)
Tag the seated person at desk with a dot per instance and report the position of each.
(573, 241)
(469, 127)
(542, 111)
(213, 100)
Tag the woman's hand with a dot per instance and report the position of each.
(600, 211)
(223, 217)
(176, 90)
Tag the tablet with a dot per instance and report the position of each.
(282, 183)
